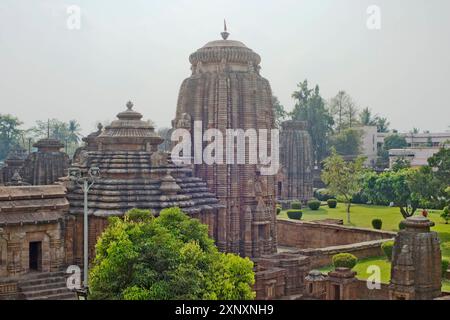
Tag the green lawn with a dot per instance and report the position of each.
(385, 267)
(362, 216)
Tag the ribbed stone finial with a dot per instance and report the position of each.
(129, 105)
(225, 34)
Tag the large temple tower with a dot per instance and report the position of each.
(226, 91)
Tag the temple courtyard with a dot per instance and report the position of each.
(362, 216)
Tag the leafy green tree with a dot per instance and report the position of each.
(393, 187)
(310, 107)
(347, 142)
(400, 164)
(392, 141)
(10, 134)
(279, 111)
(367, 119)
(343, 178)
(382, 124)
(142, 257)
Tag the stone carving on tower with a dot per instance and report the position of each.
(229, 93)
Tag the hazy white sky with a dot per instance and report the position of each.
(139, 50)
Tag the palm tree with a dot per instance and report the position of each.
(74, 131)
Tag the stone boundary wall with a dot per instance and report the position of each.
(321, 257)
(307, 235)
(374, 294)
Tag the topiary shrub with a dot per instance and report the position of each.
(401, 226)
(314, 204)
(278, 210)
(296, 205)
(387, 249)
(295, 214)
(323, 194)
(377, 224)
(344, 260)
(445, 263)
(332, 203)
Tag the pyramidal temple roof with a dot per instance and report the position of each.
(134, 174)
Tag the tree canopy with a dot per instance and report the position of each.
(310, 107)
(142, 257)
(343, 178)
(10, 134)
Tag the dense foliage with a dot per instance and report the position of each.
(10, 134)
(296, 205)
(295, 214)
(332, 203)
(314, 204)
(142, 257)
(310, 107)
(377, 224)
(344, 260)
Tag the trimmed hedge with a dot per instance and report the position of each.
(295, 214)
(445, 263)
(377, 224)
(344, 260)
(314, 204)
(332, 203)
(278, 210)
(296, 205)
(387, 248)
(323, 194)
(401, 226)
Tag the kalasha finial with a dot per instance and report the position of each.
(225, 34)
(129, 105)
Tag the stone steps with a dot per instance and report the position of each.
(45, 286)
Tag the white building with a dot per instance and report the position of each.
(417, 157)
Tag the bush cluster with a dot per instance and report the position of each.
(344, 260)
(296, 205)
(295, 214)
(377, 224)
(314, 204)
(322, 194)
(332, 203)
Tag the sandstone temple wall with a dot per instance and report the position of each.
(307, 235)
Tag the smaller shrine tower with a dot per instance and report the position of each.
(416, 262)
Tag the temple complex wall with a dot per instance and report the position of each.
(305, 234)
(15, 245)
(321, 257)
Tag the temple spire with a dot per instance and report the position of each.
(225, 33)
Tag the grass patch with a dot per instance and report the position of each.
(385, 268)
(362, 216)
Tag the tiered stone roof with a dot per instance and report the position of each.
(32, 204)
(135, 175)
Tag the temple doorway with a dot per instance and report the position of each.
(35, 256)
